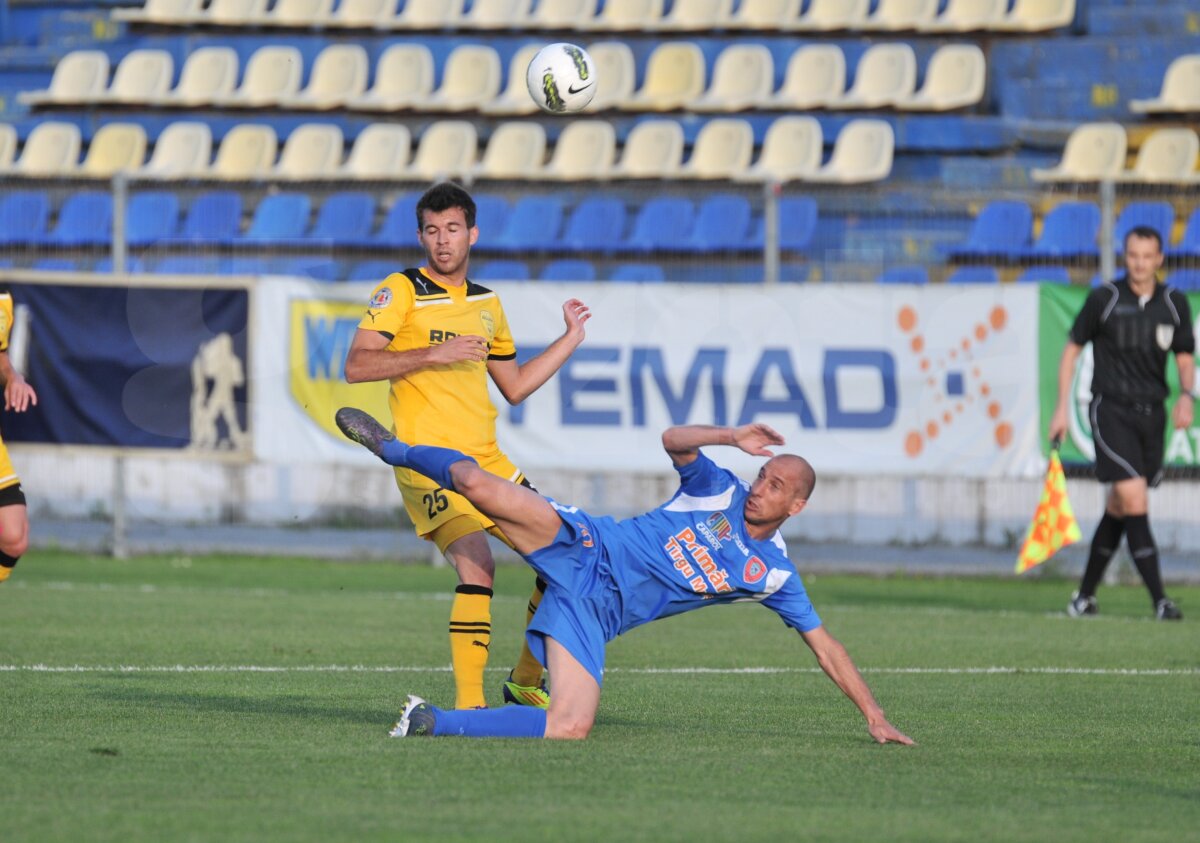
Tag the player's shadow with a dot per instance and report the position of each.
(290, 705)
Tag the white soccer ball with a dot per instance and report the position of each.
(561, 78)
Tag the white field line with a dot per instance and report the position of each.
(678, 671)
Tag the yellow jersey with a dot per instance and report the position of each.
(446, 405)
(6, 318)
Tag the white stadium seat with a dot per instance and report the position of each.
(562, 14)
(8, 146)
(791, 151)
(862, 153)
(696, 16)
(1180, 89)
(403, 77)
(1036, 16)
(362, 14)
(497, 14)
(625, 16)
(143, 76)
(616, 74)
(272, 74)
(514, 151)
(381, 151)
(446, 150)
(765, 14)
(296, 13)
(674, 78)
(586, 149)
(80, 76)
(830, 15)
(967, 16)
(653, 150)
(470, 78)
(897, 15)
(1168, 155)
(115, 148)
(339, 75)
(954, 78)
(743, 77)
(427, 14)
(1094, 151)
(209, 74)
(515, 99)
(51, 149)
(165, 12)
(233, 12)
(311, 151)
(246, 153)
(723, 148)
(814, 78)
(886, 74)
(183, 151)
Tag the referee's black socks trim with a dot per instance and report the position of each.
(1104, 544)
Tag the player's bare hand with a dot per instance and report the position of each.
(754, 439)
(1183, 413)
(19, 395)
(1058, 424)
(885, 732)
(465, 348)
(575, 313)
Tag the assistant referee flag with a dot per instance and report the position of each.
(1054, 524)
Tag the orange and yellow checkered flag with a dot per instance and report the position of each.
(1054, 525)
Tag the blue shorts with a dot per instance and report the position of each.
(581, 608)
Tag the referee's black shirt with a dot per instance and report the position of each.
(1131, 339)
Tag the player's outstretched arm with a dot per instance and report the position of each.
(684, 442)
(369, 359)
(836, 662)
(518, 382)
(18, 394)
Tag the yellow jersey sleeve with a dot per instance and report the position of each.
(6, 319)
(502, 346)
(389, 307)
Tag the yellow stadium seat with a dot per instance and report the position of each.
(247, 153)
(115, 148)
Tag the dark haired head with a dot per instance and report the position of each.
(442, 197)
(1144, 232)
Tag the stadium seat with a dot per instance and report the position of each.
(532, 226)
(133, 265)
(886, 74)
(344, 219)
(52, 149)
(279, 218)
(831, 15)
(1001, 229)
(697, 16)
(143, 76)
(515, 99)
(597, 224)
(115, 148)
(79, 77)
(497, 14)
(616, 74)
(164, 12)
(233, 13)
(246, 153)
(209, 74)
(214, 217)
(1189, 243)
(272, 75)
(515, 151)
(491, 214)
(8, 146)
(316, 267)
(1180, 89)
(1045, 275)
(966, 16)
(380, 152)
(312, 151)
(55, 265)
(674, 78)
(661, 225)
(183, 150)
(403, 77)
(862, 152)
(1157, 215)
(399, 226)
(561, 14)
(743, 77)
(427, 14)
(339, 75)
(243, 266)
(187, 265)
(295, 13)
(373, 271)
(470, 78)
(1094, 151)
(1067, 231)
(898, 15)
(974, 275)
(1036, 16)
(586, 149)
(954, 78)
(722, 149)
(797, 223)
(722, 224)
(765, 15)
(1185, 279)
(446, 149)
(791, 150)
(625, 16)
(151, 217)
(85, 219)
(361, 14)
(1168, 155)
(23, 216)
(814, 78)
(638, 273)
(502, 271)
(903, 275)
(653, 149)
(568, 270)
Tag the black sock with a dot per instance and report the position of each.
(7, 561)
(1145, 554)
(1104, 543)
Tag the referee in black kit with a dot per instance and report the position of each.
(1132, 323)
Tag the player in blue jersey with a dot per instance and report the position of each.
(716, 541)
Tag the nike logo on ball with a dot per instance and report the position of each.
(571, 89)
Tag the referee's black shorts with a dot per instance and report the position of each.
(1129, 439)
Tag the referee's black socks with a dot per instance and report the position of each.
(1104, 544)
(1145, 554)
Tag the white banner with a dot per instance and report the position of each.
(860, 379)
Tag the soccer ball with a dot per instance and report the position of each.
(561, 78)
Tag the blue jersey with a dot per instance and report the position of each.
(694, 551)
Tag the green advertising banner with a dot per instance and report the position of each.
(1057, 308)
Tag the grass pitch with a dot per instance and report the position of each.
(239, 699)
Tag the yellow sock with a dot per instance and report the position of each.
(470, 638)
(4, 572)
(529, 670)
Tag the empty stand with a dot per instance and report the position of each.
(791, 150)
(8, 145)
(974, 275)
(568, 270)
(674, 78)
(470, 78)
(247, 152)
(661, 225)
(427, 14)
(765, 14)
(79, 78)
(1185, 279)
(696, 16)
(214, 217)
(272, 75)
(496, 14)
(596, 224)
(312, 151)
(1036, 16)
(1189, 243)
(85, 219)
(399, 225)
(373, 271)
(743, 76)
(1067, 231)
(1180, 89)
(1167, 155)
(23, 216)
(380, 152)
(830, 15)
(722, 223)
(166, 12)
(723, 149)
(295, 13)
(151, 217)
(616, 74)
(502, 271)
(209, 74)
(653, 149)
(814, 78)
(403, 77)
(886, 75)
(1093, 151)
(562, 14)
(446, 149)
(279, 218)
(798, 216)
(515, 99)
(532, 225)
(115, 148)
(967, 16)
(1157, 215)
(638, 273)
(183, 150)
(339, 75)
(232, 12)
(1001, 229)
(143, 76)
(862, 152)
(955, 77)
(361, 14)
(897, 15)
(52, 149)
(625, 16)
(514, 151)
(586, 149)
(344, 219)
(903, 275)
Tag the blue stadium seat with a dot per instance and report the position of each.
(1157, 215)
(904, 275)
(974, 275)
(722, 224)
(151, 217)
(133, 265)
(214, 217)
(1189, 244)
(794, 272)
(502, 271)
(56, 265)
(243, 266)
(84, 220)
(1185, 279)
(281, 217)
(23, 215)
(373, 271)
(797, 222)
(597, 224)
(532, 225)
(491, 216)
(316, 267)
(661, 225)
(1001, 229)
(1045, 275)
(345, 219)
(188, 265)
(399, 226)
(1068, 230)
(568, 270)
(643, 273)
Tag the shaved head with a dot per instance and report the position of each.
(798, 471)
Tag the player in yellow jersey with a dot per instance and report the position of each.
(18, 396)
(437, 336)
